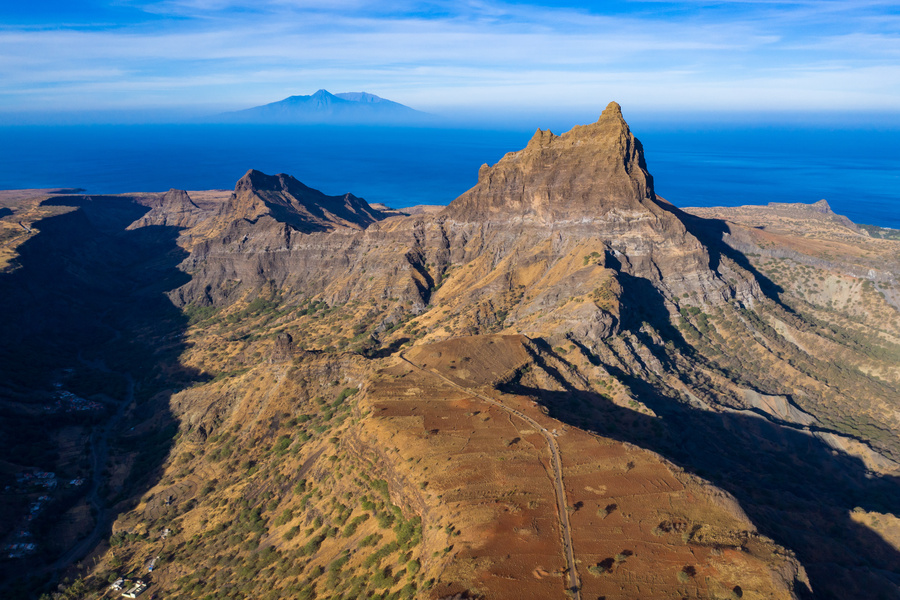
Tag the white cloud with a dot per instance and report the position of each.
(237, 53)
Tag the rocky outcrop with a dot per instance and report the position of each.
(777, 407)
(529, 222)
(593, 173)
(284, 199)
(283, 349)
(173, 209)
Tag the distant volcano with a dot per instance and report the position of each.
(325, 107)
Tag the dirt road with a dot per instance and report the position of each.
(561, 506)
(99, 446)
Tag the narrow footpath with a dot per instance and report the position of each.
(561, 506)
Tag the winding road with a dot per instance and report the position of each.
(561, 506)
(99, 445)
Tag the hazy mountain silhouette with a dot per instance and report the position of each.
(325, 107)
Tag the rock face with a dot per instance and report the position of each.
(586, 193)
(284, 199)
(284, 348)
(592, 173)
(274, 229)
(173, 209)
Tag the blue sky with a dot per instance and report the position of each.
(201, 56)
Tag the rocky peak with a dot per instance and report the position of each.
(178, 199)
(584, 173)
(287, 200)
(175, 208)
(822, 206)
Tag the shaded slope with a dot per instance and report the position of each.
(91, 319)
(288, 201)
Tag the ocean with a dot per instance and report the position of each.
(856, 171)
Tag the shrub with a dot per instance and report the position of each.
(351, 527)
(345, 393)
(312, 546)
(284, 517)
(385, 520)
(282, 445)
(370, 540)
(412, 567)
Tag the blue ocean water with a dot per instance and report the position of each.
(857, 171)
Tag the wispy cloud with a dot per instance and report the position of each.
(437, 55)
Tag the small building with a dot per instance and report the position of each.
(135, 590)
(118, 584)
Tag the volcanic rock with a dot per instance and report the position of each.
(173, 209)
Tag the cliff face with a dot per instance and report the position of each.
(284, 199)
(580, 176)
(586, 191)
(173, 209)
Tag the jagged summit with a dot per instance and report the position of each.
(582, 174)
(613, 108)
(287, 200)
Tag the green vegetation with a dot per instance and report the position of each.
(881, 232)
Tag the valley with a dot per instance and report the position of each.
(560, 385)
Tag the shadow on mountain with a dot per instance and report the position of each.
(712, 233)
(388, 350)
(796, 489)
(86, 313)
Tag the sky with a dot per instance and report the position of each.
(195, 57)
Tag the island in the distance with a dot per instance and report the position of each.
(327, 108)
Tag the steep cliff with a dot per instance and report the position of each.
(173, 209)
(537, 212)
